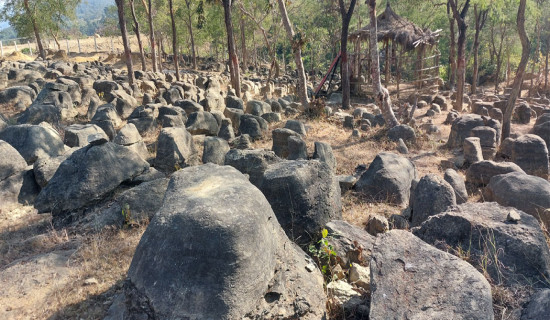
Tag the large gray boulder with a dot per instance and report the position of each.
(17, 94)
(304, 195)
(251, 162)
(388, 178)
(175, 149)
(461, 129)
(44, 168)
(214, 250)
(457, 182)
(432, 195)
(33, 141)
(280, 141)
(87, 176)
(76, 135)
(538, 306)
(202, 122)
(215, 150)
(256, 127)
(480, 173)
(129, 137)
(413, 280)
(53, 104)
(144, 117)
(11, 162)
(527, 193)
(140, 203)
(530, 153)
(323, 152)
(543, 130)
(513, 252)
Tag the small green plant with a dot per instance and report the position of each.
(126, 214)
(324, 254)
(101, 94)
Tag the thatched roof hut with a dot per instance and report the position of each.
(392, 27)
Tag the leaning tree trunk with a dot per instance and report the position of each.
(480, 18)
(452, 54)
(381, 94)
(461, 52)
(233, 59)
(174, 39)
(127, 52)
(243, 43)
(518, 80)
(35, 30)
(346, 17)
(138, 36)
(151, 34)
(297, 51)
(546, 71)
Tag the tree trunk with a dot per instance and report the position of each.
(127, 52)
(381, 94)
(149, 10)
(461, 60)
(518, 80)
(243, 44)
(35, 30)
(190, 28)
(233, 60)
(297, 50)
(546, 71)
(174, 40)
(138, 36)
(452, 54)
(346, 17)
(480, 18)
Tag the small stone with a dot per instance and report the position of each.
(377, 224)
(310, 267)
(355, 133)
(360, 276)
(349, 122)
(90, 281)
(513, 216)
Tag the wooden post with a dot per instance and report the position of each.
(15, 44)
(78, 42)
(387, 64)
(95, 43)
(30, 49)
(399, 63)
(67, 43)
(1, 49)
(112, 47)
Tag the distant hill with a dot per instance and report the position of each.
(89, 14)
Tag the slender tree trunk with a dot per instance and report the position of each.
(149, 10)
(191, 36)
(461, 60)
(480, 18)
(452, 54)
(382, 95)
(297, 51)
(35, 29)
(346, 17)
(518, 80)
(174, 40)
(233, 60)
(546, 71)
(138, 36)
(127, 52)
(243, 43)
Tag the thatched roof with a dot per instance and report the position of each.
(392, 27)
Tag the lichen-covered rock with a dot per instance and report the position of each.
(413, 280)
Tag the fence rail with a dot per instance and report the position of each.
(91, 44)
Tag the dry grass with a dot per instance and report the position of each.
(58, 292)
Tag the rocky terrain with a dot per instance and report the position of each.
(171, 199)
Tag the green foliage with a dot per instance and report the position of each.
(324, 255)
